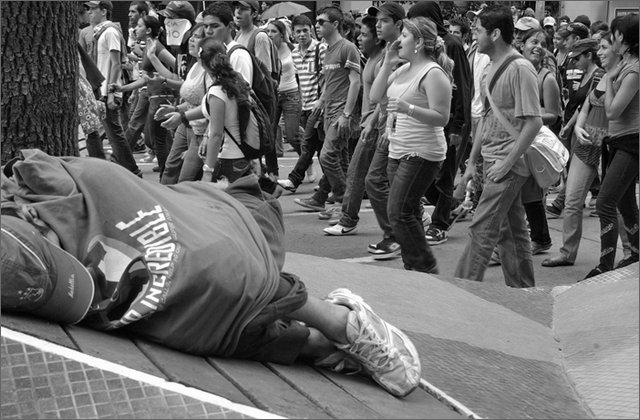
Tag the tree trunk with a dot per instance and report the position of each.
(39, 77)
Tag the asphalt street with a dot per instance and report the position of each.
(304, 235)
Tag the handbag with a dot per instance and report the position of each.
(546, 157)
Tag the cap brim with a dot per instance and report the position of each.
(167, 13)
(74, 289)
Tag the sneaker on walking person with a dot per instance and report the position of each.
(384, 250)
(385, 352)
(310, 203)
(436, 236)
(287, 185)
(539, 248)
(339, 230)
(330, 212)
(552, 211)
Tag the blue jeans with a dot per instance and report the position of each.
(356, 174)
(377, 186)
(500, 202)
(160, 137)
(310, 145)
(579, 179)
(173, 165)
(192, 162)
(119, 145)
(137, 119)
(440, 193)
(290, 108)
(618, 191)
(409, 178)
(94, 145)
(232, 169)
(334, 158)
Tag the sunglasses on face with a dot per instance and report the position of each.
(321, 22)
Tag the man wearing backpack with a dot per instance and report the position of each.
(513, 85)
(109, 49)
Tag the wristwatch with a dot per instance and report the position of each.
(346, 115)
(207, 168)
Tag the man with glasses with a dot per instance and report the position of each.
(341, 85)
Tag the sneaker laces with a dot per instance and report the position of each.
(368, 342)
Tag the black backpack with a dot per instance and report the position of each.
(263, 85)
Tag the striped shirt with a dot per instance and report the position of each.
(309, 77)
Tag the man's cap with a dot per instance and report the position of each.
(40, 278)
(579, 29)
(526, 23)
(582, 46)
(472, 14)
(254, 4)
(179, 10)
(104, 4)
(391, 9)
(549, 21)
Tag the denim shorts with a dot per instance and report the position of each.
(270, 337)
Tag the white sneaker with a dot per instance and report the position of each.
(310, 177)
(287, 185)
(339, 230)
(385, 352)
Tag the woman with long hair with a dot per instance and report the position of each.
(183, 163)
(289, 102)
(226, 104)
(154, 66)
(419, 95)
(590, 129)
(619, 183)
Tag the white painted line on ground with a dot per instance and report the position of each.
(308, 212)
(197, 394)
(447, 399)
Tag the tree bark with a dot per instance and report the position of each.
(39, 77)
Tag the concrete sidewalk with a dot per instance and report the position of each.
(492, 352)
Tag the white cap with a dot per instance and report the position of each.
(549, 21)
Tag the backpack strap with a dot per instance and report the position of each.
(498, 73)
(251, 45)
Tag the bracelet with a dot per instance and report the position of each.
(411, 109)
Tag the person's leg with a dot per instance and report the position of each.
(174, 162)
(291, 109)
(94, 145)
(532, 197)
(137, 119)
(192, 162)
(440, 192)
(331, 158)
(377, 186)
(617, 192)
(579, 178)
(485, 229)
(160, 136)
(515, 248)
(232, 169)
(409, 179)
(309, 145)
(354, 193)
(119, 146)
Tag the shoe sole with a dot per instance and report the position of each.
(308, 206)
(342, 233)
(437, 242)
(345, 297)
(386, 256)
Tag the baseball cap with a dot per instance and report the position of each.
(179, 10)
(41, 278)
(104, 4)
(579, 29)
(254, 4)
(548, 21)
(582, 46)
(472, 14)
(391, 9)
(526, 23)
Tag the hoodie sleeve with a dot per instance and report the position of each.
(461, 99)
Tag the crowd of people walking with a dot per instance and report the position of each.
(408, 108)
